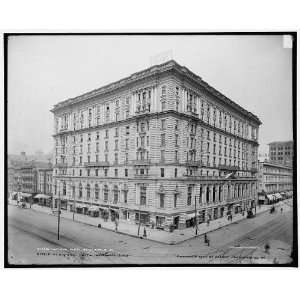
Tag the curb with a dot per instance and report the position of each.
(153, 240)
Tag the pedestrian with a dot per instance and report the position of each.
(116, 223)
(205, 238)
(281, 209)
(207, 222)
(208, 242)
(145, 233)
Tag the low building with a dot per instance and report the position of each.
(275, 182)
(44, 186)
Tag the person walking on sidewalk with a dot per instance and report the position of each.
(281, 209)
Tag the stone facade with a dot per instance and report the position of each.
(154, 145)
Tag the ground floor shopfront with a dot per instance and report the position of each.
(157, 219)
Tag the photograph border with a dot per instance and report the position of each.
(294, 263)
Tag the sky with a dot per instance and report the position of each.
(253, 71)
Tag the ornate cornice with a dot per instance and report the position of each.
(156, 71)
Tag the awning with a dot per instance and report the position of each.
(278, 196)
(25, 195)
(93, 208)
(81, 206)
(190, 215)
(42, 196)
(270, 197)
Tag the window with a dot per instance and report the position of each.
(175, 172)
(106, 157)
(105, 192)
(80, 172)
(116, 158)
(97, 147)
(162, 155)
(126, 157)
(126, 172)
(105, 172)
(163, 140)
(189, 196)
(116, 194)
(126, 144)
(162, 172)
(116, 132)
(64, 189)
(96, 172)
(116, 144)
(89, 137)
(163, 124)
(88, 172)
(176, 124)
(80, 190)
(97, 157)
(175, 200)
(89, 158)
(106, 133)
(176, 155)
(161, 200)
(127, 130)
(176, 140)
(116, 172)
(106, 145)
(96, 191)
(88, 191)
(143, 195)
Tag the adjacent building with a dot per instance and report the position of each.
(156, 147)
(282, 152)
(275, 182)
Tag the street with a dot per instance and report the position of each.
(32, 239)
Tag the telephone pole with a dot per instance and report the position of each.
(196, 221)
(58, 215)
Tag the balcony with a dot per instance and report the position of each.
(141, 176)
(194, 163)
(61, 165)
(229, 168)
(144, 162)
(97, 164)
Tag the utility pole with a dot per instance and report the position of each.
(196, 221)
(139, 221)
(58, 215)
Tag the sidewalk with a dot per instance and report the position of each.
(161, 236)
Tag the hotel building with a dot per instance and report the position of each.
(156, 148)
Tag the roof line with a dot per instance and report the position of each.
(156, 68)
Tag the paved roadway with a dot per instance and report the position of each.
(32, 239)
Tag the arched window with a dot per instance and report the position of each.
(64, 189)
(88, 191)
(80, 190)
(105, 191)
(116, 194)
(96, 191)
